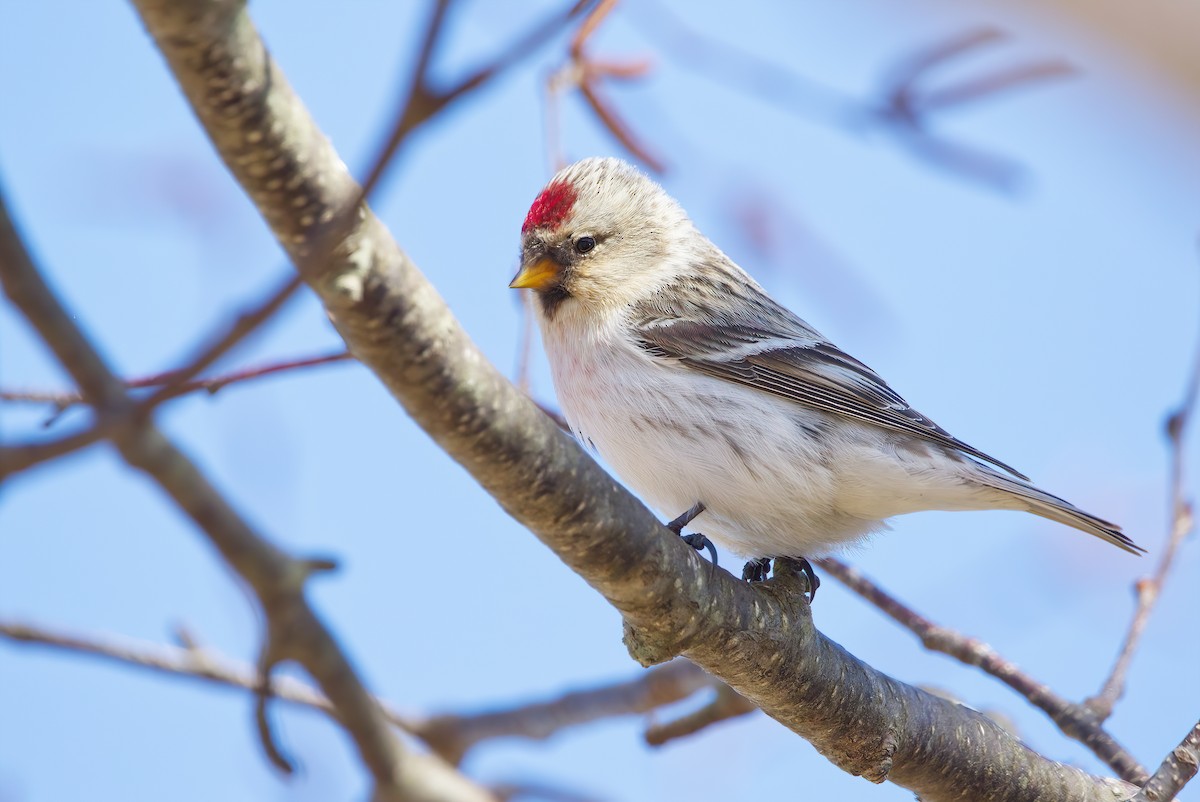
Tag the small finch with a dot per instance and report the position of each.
(704, 394)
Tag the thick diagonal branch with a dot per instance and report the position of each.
(760, 640)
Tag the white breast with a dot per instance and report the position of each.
(676, 437)
(777, 479)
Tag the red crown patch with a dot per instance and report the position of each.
(551, 207)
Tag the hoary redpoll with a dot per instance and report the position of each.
(697, 388)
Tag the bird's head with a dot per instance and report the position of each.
(600, 234)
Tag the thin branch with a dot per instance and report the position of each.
(911, 69)
(987, 87)
(905, 107)
(424, 101)
(901, 107)
(743, 70)
(1075, 720)
(587, 74)
(17, 458)
(195, 662)
(223, 342)
(522, 47)
(1176, 770)
(422, 105)
(1148, 589)
(726, 704)
(451, 736)
(211, 385)
(276, 578)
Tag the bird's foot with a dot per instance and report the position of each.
(696, 540)
(699, 542)
(757, 570)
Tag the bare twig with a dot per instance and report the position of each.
(191, 661)
(275, 577)
(987, 87)
(451, 736)
(744, 70)
(905, 106)
(904, 75)
(1182, 523)
(212, 385)
(223, 342)
(726, 704)
(587, 74)
(421, 105)
(902, 107)
(16, 458)
(424, 101)
(1176, 770)
(1075, 720)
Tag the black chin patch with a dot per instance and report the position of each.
(551, 299)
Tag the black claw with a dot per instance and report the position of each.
(696, 540)
(756, 570)
(699, 542)
(814, 581)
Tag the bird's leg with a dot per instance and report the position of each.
(696, 540)
(757, 570)
(677, 525)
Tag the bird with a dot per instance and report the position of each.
(705, 395)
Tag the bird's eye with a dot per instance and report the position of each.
(584, 244)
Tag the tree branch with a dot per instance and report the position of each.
(276, 578)
(14, 459)
(424, 101)
(212, 385)
(1176, 770)
(451, 736)
(759, 639)
(726, 704)
(586, 74)
(1148, 589)
(1075, 720)
(901, 107)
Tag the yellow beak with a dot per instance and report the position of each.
(538, 276)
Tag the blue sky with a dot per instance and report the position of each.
(1052, 327)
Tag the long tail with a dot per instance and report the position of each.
(1039, 502)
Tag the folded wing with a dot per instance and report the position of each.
(787, 358)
